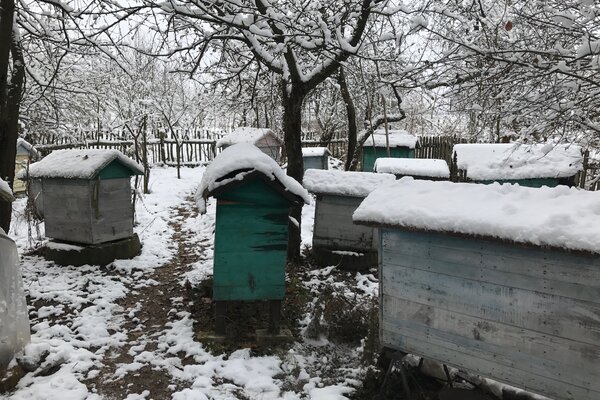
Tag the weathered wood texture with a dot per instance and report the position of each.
(335, 231)
(250, 243)
(270, 146)
(526, 316)
(370, 154)
(21, 162)
(316, 162)
(87, 212)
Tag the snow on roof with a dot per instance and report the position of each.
(6, 193)
(346, 183)
(78, 164)
(315, 151)
(240, 160)
(397, 138)
(518, 161)
(413, 167)
(561, 216)
(246, 135)
(23, 146)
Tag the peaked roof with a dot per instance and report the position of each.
(23, 146)
(6, 193)
(246, 135)
(79, 164)
(238, 162)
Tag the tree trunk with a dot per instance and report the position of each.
(292, 132)
(351, 115)
(10, 101)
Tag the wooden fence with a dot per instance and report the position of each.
(201, 149)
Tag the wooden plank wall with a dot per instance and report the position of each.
(67, 210)
(113, 218)
(334, 228)
(524, 316)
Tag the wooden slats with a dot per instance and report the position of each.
(529, 317)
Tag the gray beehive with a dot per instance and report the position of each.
(87, 195)
(336, 239)
(315, 157)
(500, 280)
(263, 138)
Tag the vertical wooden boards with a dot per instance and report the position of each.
(316, 162)
(67, 210)
(88, 212)
(334, 228)
(250, 243)
(113, 220)
(526, 316)
(370, 154)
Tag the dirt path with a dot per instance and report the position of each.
(147, 311)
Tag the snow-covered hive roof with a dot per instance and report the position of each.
(235, 163)
(79, 164)
(6, 193)
(344, 183)
(559, 217)
(24, 147)
(246, 135)
(315, 151)
(518, 161)
(397, 138)
(413, 166)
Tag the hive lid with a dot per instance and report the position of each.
(315, 151)
(562, 217)
(345, 183)
(239, 162)
(246, 135)
(491, 161)
(413, 166)
(80, 164)
(397, 138)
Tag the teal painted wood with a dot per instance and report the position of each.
(535, 183)
(116, 170)
(370, 154)
(250, 243)
(526, 316)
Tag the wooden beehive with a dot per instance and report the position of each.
(401, 144)
(26, 154)
(263, 138)
(315, 158)
(487, 283)
(418, 168)
(531, 165)
(87, 195)
(251, 229)
(336, 239)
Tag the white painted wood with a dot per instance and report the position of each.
(525, 316)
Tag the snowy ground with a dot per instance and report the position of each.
(125, 332)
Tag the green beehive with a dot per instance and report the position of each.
(253, 198)
(401, 143)
(531, 165)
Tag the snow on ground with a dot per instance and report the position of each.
(77, 320)
(78, 326)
